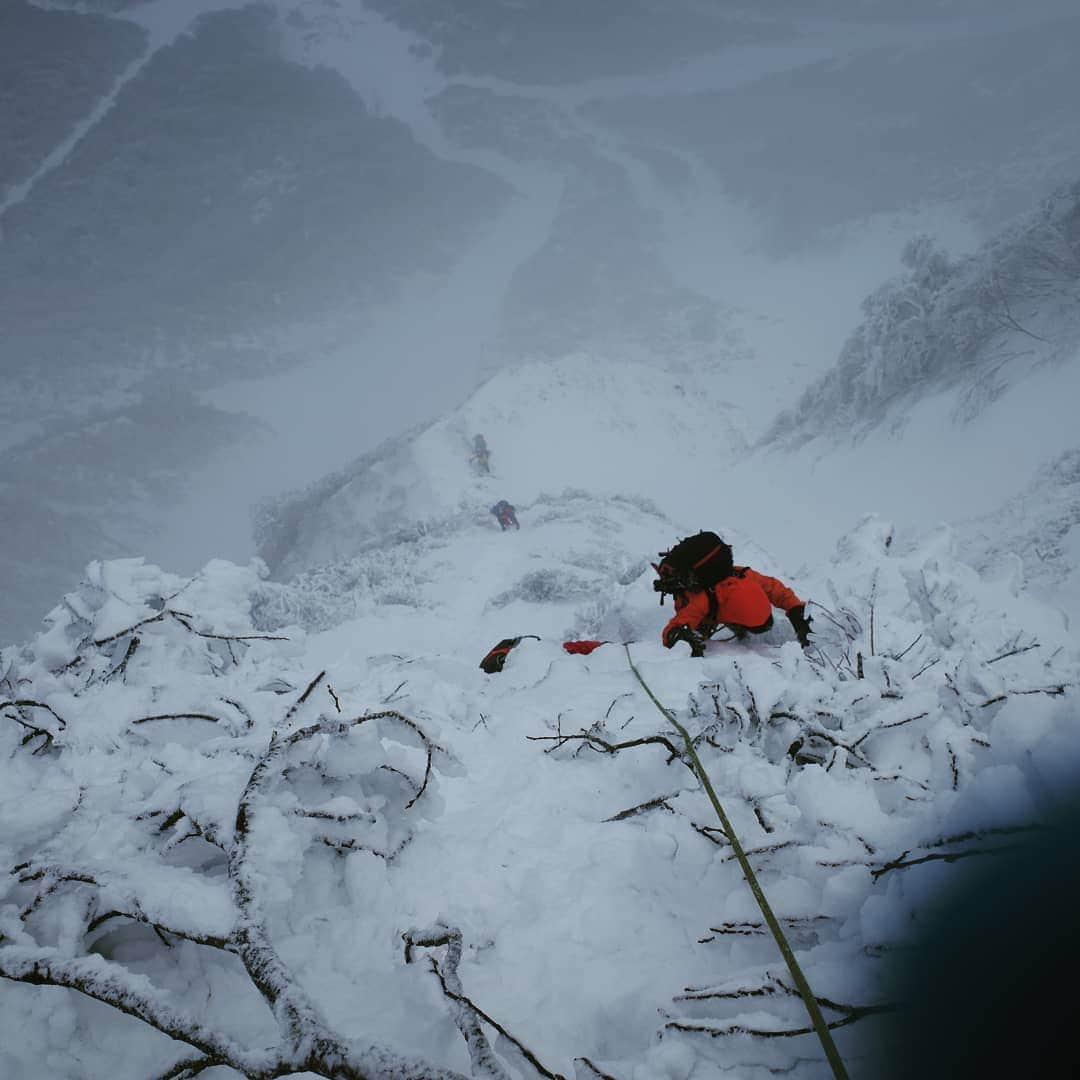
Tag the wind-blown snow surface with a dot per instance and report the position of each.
(188, 783)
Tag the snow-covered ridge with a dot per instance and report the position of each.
(580, 422)
(1035, 534)
(239, 834)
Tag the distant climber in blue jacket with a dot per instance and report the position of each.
(505, 516)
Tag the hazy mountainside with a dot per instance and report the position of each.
(49, 57)
(978, 324)
(439, 191)
(555, 42)
(100, 483)
(878, 117)
(227, 194)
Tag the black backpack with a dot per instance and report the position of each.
(496, 658)
(698, 562)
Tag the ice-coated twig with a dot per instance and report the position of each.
(342, 847)
(903, 653)
(210, 940)
(29, 703)
(926, 667)
(753, 928)
(605, 747)
(188, 1068)
(177, 716)
(716, 1031)
(120, 668)
(136, 996)
(129, 630)
(303, 697)
(659, 803)
(902, 863)
(182, 618)
(465, 1014)
(393, 693)
(593, 1068)
(310, 1043)
(776, 987)
(249, 722)
(1015, 652)
(485, 1063)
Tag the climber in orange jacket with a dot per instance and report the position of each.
(710, 592)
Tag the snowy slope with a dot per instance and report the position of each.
(581, 422)
(601, 915)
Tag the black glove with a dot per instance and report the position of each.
(684, 633)
(800, 623)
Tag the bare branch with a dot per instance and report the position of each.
(465, 1014)
(599, 1072)
(393, 693)
(209, 940)
(182, 618)
(901, 655)
(715, 1032)
(949, 857)
(27, 703)
(134, 995)
(303, 697)
(522, 1048)
(603, 746)
(131, 629)
(659, 803)
(1015, 652)
(120, 668)
(177, 716)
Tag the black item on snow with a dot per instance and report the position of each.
(696, 562)
(800, 623)
(496, 657)
(691, 637)
(742, 632)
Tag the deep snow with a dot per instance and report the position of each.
(620, 941)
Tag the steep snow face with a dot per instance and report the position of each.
(199, 806)
(673, 437)
(582, 422)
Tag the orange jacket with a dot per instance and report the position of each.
(746, 598)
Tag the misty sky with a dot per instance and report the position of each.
(242, 244)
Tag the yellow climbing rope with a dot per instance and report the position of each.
(803, 986)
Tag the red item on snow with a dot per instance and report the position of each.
(582, 648)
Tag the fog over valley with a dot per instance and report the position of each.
(348, 341)
(244, 243)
